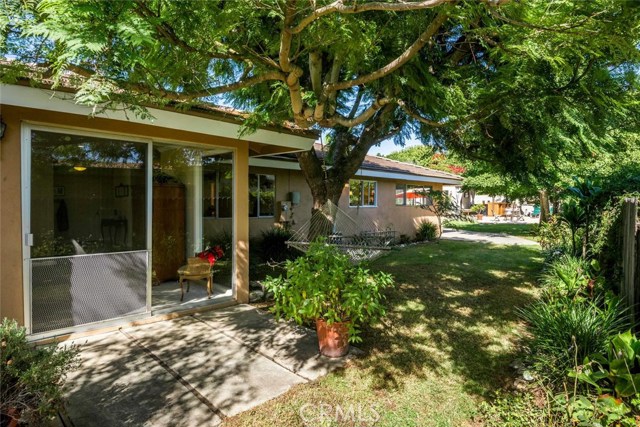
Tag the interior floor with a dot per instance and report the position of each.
(168, 293)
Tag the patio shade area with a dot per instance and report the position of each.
(197, 369)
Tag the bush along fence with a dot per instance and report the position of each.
(630, 289)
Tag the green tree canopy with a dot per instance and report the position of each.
(519, 84)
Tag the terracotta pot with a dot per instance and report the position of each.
(14, 416)
(479, 216)
(333, 339)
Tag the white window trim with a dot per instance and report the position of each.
(406, 188)
(375, 194)
(259, 215)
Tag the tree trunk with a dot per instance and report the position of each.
(347, 152)
(545, 215)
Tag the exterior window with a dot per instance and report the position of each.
(412, 195)
(401, 194)
(362, 193)
(262, 191)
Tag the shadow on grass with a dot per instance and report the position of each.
(452, 312)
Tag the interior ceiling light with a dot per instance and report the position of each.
(79, 168)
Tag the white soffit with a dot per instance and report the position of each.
(364, 173)
(44, 99)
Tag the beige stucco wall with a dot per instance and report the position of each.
(11, 259)
(386, 215)
(402, 219)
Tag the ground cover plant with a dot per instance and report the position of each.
(450, 333)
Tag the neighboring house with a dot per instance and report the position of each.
(98, 214)
(95, 211)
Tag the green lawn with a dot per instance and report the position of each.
(528, 231)
(446, 343)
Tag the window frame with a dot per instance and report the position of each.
(258, 194)
(361, 185)
(408, 187)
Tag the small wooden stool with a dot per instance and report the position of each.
(196, 269)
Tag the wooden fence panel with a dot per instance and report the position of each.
(629, 288)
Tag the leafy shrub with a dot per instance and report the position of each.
(567, 330)
(31, 379)
(618, 373)
(555, 237)
(426, 231)
(404, 239)
(477, 208)
(571, 277)
(596, 411)
(273, 245)
(323, 284)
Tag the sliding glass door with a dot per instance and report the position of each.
(192, 211)
(109, 222)
(87, 239)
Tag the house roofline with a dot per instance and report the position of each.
(362, 172)
(62, 101)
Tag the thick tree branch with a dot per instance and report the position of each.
(338, 6)
(286, 37)
(315, 71)
(417, 116)
(338, 119)
(333, 77)
(356, 103)
(424, 38)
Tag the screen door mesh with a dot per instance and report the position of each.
(75, 290)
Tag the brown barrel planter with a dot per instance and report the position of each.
(333, 339)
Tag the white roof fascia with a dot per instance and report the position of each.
(44, 99)
(406, 176)
(283, 164)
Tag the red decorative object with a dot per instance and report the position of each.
(211, 254)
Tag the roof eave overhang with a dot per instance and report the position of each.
(47, 99)
(368, 173)
(365, 173)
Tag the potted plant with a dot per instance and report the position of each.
(477, 209)
(31, 378)
(324, 287)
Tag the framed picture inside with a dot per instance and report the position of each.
(122, 190)
(58, 191)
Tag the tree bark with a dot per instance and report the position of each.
(545, 214)
(347, 154)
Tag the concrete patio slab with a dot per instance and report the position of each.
(119, 385)
(289, 345)
(193, 370)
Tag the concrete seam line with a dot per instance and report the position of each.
(255, 350)
(176, 375)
